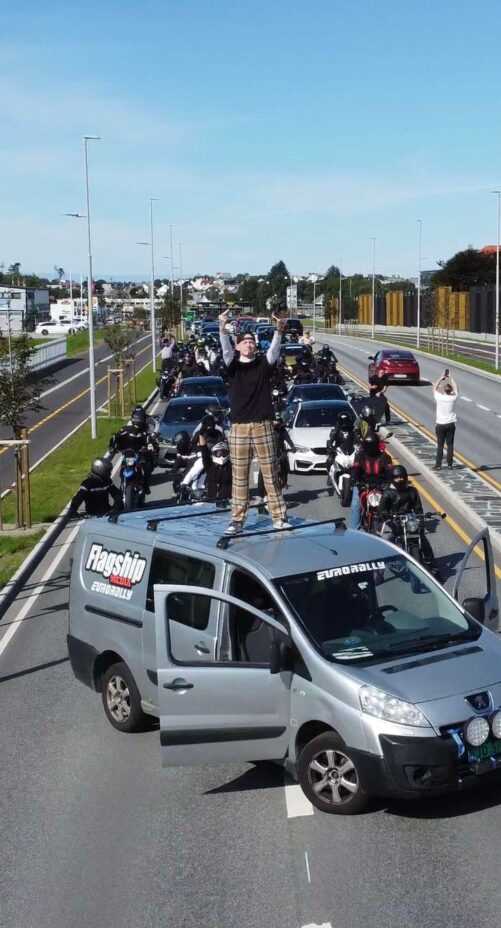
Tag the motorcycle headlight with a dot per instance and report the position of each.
(412, 525)
(130, 462)
(383, 706)
(476, 731)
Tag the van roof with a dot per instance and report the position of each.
(277, 554)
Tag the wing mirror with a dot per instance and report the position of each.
(476, 608)
(371, 357)
(281, 654)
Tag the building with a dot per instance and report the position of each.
(22, 307)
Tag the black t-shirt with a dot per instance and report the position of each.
(249, 387)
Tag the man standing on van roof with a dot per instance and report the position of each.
(251, 406)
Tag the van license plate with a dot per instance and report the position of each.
(491, 748)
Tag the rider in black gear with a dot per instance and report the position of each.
(303, 373)
(342, 436)
(185, 458)
(400, 498)
(135, 437)
(282, 441)
(217, 466)
(95, 491)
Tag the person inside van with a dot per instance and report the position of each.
(95, 491)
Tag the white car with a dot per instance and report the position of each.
(54, 328)
(309, 425)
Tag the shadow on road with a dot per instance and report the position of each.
(483, 795)
(29, 670)
(264, 775)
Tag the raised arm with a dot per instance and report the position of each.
(226, 342)
(273, 353)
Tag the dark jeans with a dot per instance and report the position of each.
(445, 435)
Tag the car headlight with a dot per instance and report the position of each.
(383, 706)
(302, 449)
(476, 731)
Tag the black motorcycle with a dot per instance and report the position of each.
(132, 480)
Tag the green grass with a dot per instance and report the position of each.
(79, 342)
(13, 551)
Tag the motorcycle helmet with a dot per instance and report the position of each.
(182, 442)
(366, 412)
(101, 468)
(345, 422)
(220, 452)
(399, 476)
(370, 445)
(208, 422)
(277, 417)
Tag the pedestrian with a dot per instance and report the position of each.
(445, 393)
(251, 408)
(307, 340)
(167, 351)
(378, 385)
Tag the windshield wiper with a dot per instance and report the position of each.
(427, 643)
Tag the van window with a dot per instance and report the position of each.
(250, 637)
(168, 567)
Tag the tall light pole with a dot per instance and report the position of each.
(498, 195)
(151, 245)
(418, 319)
(373, 326)
(340, 300)
(180, 246)
(90, 316)
(171, 264)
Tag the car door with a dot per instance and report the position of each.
(475, 583)
(222, 710)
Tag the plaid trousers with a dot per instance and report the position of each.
(246, 437)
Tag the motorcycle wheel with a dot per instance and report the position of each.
(346, 494)
(129, 497)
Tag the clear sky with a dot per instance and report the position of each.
(267, 130)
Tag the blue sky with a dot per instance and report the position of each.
(267, 130)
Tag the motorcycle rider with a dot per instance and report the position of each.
(399, 498)
(134, 436)
(282, 441)
(368, 422)
(303, 373)
(341, 436)
(217, 467)
(371, 465)
(95, 491)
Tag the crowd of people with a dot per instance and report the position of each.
(214, 462)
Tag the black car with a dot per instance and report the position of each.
(204, 386)
(314, 391)
(294, 325)
(183, 413)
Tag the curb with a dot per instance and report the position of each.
(470, 369)
(12, 587)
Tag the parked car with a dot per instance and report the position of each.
(396, 364)
(204, 386)
(54, 328)
(309, 425)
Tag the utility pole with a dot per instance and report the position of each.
(171, 265)
(418, 319)
(180, 246)
(498, 195)
(340, 317)
(90, 316)
(152, 293)
(373, 327)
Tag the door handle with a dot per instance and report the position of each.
(178, 685)
(201, 648)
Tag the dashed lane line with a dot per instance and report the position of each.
(485, 408)
(296, 802)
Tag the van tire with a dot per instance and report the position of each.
(119, 688)
(329, 752)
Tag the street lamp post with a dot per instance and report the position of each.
(151, 245)
(180, 246)
(498, 195)
(90, 316)
(340, 301)
(418, 318)
(373, 326)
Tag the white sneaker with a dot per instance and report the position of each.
(281, 524)
(234, 528)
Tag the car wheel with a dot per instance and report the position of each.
(121, 699)
(44, 332)
(329, 776)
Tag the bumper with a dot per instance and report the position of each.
(417, 767)
(82, 659)
(401, 377)
(307, 462)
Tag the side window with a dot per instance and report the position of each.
(170, 567)
(250, 638)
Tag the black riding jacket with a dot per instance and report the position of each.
(95, 492)
(398, 502)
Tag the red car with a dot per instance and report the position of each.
(395, 365)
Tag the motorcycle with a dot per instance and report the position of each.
(132, 480)
(166, 383)
(409, 529)
(370, 498)
(339, 474)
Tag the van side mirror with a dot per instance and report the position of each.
(280, 654)
(476, 607)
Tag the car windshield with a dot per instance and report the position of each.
(328, 391)
(397, 356)
(375, 610)
(319, 416)
(184, 412)
(203, 389)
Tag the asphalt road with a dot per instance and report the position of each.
(65, 403)
(476, 347)
(95, 832)
(478, 408)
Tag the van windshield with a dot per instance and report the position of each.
(375, 610)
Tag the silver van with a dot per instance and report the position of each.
(328, 650)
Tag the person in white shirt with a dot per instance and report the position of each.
(445, 394)
(167, 351)
(307, 340)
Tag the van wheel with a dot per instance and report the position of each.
(121, 699)
(329, 777)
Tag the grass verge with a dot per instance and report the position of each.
(13, 551)
(80, 341)
(58, 478)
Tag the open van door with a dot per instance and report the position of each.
(475, 584)
(221, 710)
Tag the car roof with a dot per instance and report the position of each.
(211, 378)
(195, 400)
(322, 404)
(275, 553)
(315, 387)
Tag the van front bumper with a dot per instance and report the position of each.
(415, 767)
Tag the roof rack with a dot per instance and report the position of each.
(153, 524)
(225, 539)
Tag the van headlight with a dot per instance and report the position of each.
(383, 706)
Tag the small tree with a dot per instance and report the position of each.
(119, 341)
(19, 390)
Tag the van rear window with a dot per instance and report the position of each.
(170, 567)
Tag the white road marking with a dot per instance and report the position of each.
(307, 862)
(314, 925)
(32, 598)
(485, 408)
(296, 801)
(467, 399)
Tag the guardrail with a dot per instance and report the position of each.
(48, 354)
